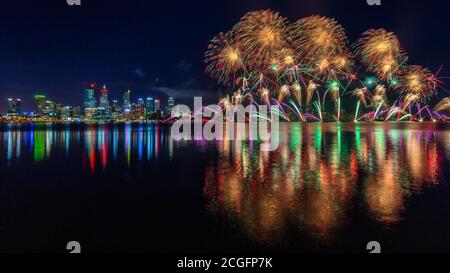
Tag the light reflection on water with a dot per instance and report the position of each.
(319, 174)
(310, 185)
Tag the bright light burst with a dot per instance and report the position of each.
(419, 81)
(224, 59)
(263, 35)
(321, 43)
(380, 51)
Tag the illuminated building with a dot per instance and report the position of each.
(76, 111)
(157, 105)
(50, 109)
(67, 112)
(138, 110)
(158, 109)
(89, 101)
(39, 105)
(127, 99)
(170, 105)
(104, 102)
(59, 109)
(116, 110)
(150, 106)
(14, 106)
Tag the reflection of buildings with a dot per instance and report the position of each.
(101, 145)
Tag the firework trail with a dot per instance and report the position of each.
(443, 105)
(297, 90)
(310, 90)
(361, 94)
(284, 92)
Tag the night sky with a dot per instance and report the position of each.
(156, 47)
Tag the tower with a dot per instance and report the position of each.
(104, 101)
(127, 99)
(89, 101)
(170, 105)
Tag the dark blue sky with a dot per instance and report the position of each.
(156, 47)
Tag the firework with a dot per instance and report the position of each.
(321, 43)
(281, 61)
(224, 102)
(443, 105)
(263, 36)
(284, 92)
(224, 58)
(310, 92)
(418, 81)
(410, 99)
(361, 94)
(379, 96)
(297, 90)
(333, 87)
(265, 95)
(272, 58)
(380, 52)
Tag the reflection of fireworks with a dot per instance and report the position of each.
(223, 58)
(263, 33)
(380, 51)
(418, 81)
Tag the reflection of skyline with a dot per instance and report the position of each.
(102, 145)
(317, 177)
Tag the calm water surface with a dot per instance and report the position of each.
(131, 188)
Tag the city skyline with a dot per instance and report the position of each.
(96, 104)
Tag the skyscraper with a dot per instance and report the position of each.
(116, 110)
(39, 105)
(157, 105)
(104, 101)
(89, 101)
(127, 99)
(150, 106)
(14, 106)
(170, 105)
